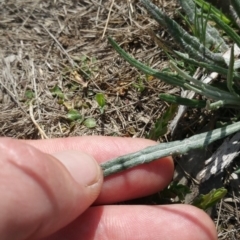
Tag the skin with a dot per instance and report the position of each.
(54, 189)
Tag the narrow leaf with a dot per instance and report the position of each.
(206, 7)
(210, 67)
(189, 43)
(212, 35)
(182, 101)
(165, 149)
(100, 98)
(204, 89)
(176, 81)
(229, 31)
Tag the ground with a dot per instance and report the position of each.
(55, 57)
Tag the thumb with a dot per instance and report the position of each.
(41, 193)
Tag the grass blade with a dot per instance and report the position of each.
(206, 6)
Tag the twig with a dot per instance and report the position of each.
(43, 135)
(98, 11)
(34, 84)
(7, 75)
(219, 213)
(60, 46)
(30, 14)
(108, 17)
(64, 51)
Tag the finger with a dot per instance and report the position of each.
(133, 183)
(182, 222)
(100, 147)
(39, 194)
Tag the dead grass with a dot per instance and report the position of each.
(42, 45)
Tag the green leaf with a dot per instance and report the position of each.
(175, 189)
(206, 201)
(206, 89)
(90, 123)
(229, 31)
(29, 94)
(168, 78)
(202, 88)
(208, 7)
(210, 34)
(189, 43)
(160, 127)
(182, 101)
(100, 98)
(74, 115)
(57, 92)
(161, 150)
(210, 67)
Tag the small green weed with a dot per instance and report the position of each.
(100, 98)
(208, 200)
(57, 92)
(74, 115)
(88, 66)
(139, 84)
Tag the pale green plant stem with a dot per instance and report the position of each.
(230, 74)
(161, 150)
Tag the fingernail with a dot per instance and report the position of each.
(83, 168)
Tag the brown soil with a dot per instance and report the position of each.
(46, 45)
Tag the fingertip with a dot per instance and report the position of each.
(42, 194)
(82, 167)
(190, 222)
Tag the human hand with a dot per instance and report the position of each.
(48, 186)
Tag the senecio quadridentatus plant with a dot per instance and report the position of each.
(196, 52)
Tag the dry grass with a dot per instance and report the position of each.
(42, 45)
